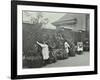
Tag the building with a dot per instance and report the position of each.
(75, 25)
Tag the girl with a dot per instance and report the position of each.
(66, 45)
(45, 51)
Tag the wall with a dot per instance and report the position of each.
(5, 41)
(81, 21)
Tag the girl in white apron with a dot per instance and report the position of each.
(66, 47)
(45, 51)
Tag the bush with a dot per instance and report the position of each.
(33, 62)
(60, 54)
(72, 51)
(53, 57)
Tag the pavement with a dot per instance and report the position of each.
(78, 60)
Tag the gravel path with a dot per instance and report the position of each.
(78, 60)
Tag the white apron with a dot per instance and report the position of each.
(45, 51)
(66, 47)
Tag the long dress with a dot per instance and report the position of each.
(45, 51)
(66, 47)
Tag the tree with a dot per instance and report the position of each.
(39, 17)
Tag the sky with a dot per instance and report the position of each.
(55, 16)
(52, 17)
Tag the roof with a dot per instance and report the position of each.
(48, 26)
(68, 19)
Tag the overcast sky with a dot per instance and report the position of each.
(53, 16)
(27, 15)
